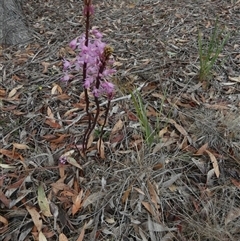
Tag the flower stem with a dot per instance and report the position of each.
(104, 123)
(91, 125)
(86, 134)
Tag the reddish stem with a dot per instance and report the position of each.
(85, 139)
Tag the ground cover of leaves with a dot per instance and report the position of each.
(185, 186)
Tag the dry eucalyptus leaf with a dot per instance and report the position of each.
(117, 127)
(20, 146)
(43, 202)
(41, 237)
(214, 162)
(62, 237)
(100, 147)
(235, 79)
(37, 220)
(232, 214)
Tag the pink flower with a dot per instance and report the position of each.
(62, 160)
(99, 47)
(94, 58)
(78, 63)
(88, 82)
(88, 58)
(96, 92)
(66, 77)
(108, 72)
(96, 33)
(73, 44)
(107, 87)
(66, 64)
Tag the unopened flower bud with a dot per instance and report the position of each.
(88, 9)
(107, 52)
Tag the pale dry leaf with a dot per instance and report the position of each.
(153, 195)
(142, 235)
(92, 198)
(4, 224)
(56, 89)
(70, 51)
(2, 92)
(157, 227)
(126, 195)
(163, 131)
(85, 226)
(90, 140)
(180, 129)
(110, 220)
(235, 182)
(59, 139)
(214, 162)
(43, 202)
(103, 183)
(117, 64)
(6, 166)
(45, 67)
(117, 127)
(217, 106)
(173, 188)
(25, 232)
(232, 214)
(70, 112)
(62, 237)
(77, 202)
(235, 79)
(55, 187)
(158, 95)
(165, 143)
(14, 91)
(41, 237)
(148, 207)
(68, 153)
(73, 162)
(208, 24)
(107, 231)
(89, 224)
(81, 236)
(139, 190)
(55, 211)
(158, 166)
(15, 201)
(170, 182)
(49, 113)
(100, 147)
(228, 83)
(151, 112)
(200, 164)
(35, 217)
(21, 146)
(134, 221)
(210, 174)
(202, 149)
(148, 226)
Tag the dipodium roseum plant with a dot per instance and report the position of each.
(94, 59)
